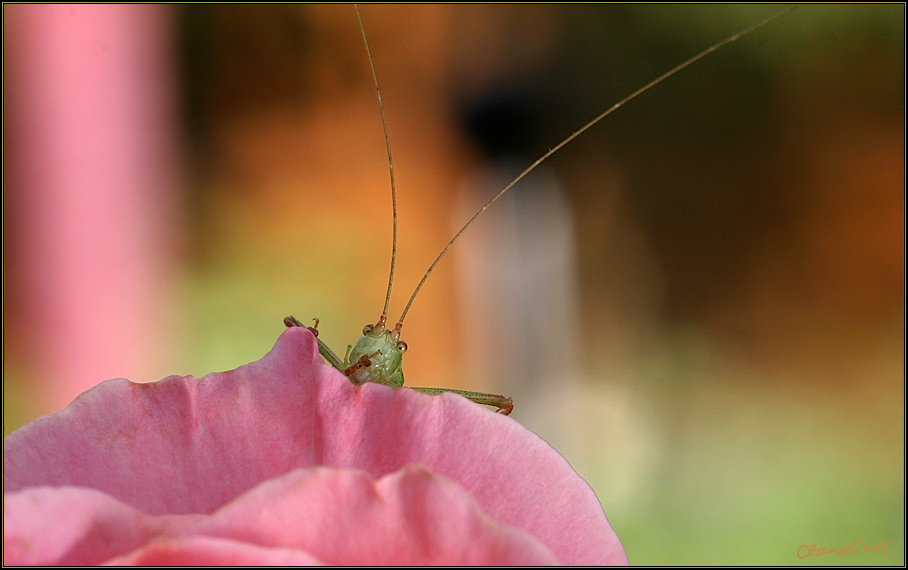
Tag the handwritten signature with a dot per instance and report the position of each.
(806, 550)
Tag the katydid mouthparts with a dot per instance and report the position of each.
(377, 356)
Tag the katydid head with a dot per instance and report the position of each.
(383, 350)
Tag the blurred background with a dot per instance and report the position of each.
(700, 302)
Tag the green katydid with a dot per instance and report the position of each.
(377, 356)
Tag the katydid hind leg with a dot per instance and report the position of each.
(504, 404)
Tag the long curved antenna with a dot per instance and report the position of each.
(384, 124)
(580, 131)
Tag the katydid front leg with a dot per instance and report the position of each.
(328, 354)
(377, 357)
(323, 349)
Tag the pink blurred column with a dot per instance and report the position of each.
(90, 195)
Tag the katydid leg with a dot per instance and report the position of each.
(504, 404)
(328, 354)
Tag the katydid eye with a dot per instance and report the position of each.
(401, 347)
(368, 328)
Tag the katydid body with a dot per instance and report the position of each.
(377, 356)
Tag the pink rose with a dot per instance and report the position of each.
(285, 461)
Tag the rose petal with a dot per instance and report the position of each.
(345, 517)
(186, 446)
(305, 517)
(47, 526)
(205, 551)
